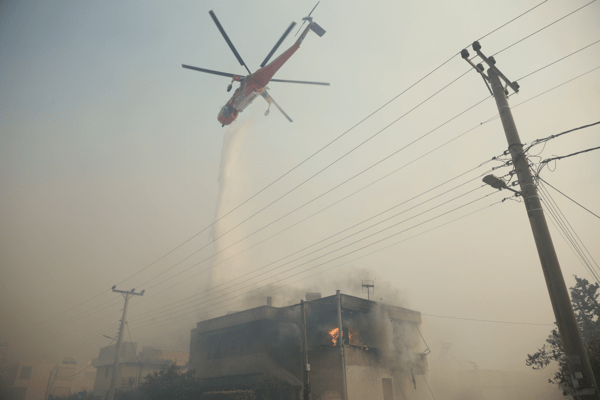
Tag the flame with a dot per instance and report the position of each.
(335, 334)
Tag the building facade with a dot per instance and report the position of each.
(263, 346)
(43, 381)
(133, 366)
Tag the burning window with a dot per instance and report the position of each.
(350, 336)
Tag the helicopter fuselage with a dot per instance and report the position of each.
(253, 85)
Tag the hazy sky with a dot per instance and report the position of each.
(111, 153)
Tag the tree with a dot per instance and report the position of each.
(172, 384)
(584, 296)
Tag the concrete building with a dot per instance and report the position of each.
(133, 367)
(263, 346)
(41, 381)
(69, 378)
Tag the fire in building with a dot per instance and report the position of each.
(375, 357)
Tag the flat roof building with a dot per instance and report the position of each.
(262, 348)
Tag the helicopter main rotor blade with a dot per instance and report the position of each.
(305, 19)
(208, 71)
(287, 32)
(270, 100)
(304, 82)
(231, 46)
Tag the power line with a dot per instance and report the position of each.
(338, 241)
(486, 320)
(547, 26)
(301, 163)
(425, 135)
(344, 230)
(543, 93)
(560, 59)
(539, 95)
(567, 237)
(349, 261)
(322, 194)
(514, 19)
(325, 168)
(543, 140)
(350, 252)
(596, 215)
(570, 227)
(346, 262)
(569, 155)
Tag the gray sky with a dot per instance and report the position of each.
(110, 157)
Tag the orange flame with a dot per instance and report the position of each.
(334, 333)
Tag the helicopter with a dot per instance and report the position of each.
(255, 84)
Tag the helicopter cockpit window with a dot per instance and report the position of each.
(227, 111)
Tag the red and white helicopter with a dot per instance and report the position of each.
(255, 84)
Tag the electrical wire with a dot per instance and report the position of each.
(431, 131)
(301, 163)
(465, 132)
(547, 26)
(346, 254)
(496, 116)
(339, 232)
(486, 320)
(281, 287)
(570, 155)
(568, 226)
(319, 196)
(569, 238)
(594, 214)
(338, 241)
(544, 140)
(428, 387)
(560, 59)
(321, 171)
(545, 92)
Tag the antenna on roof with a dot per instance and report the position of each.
(370, 285)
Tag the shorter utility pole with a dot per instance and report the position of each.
(369, 285)
(306, 393)
(576, 356)
(48, 385)
(113, 381)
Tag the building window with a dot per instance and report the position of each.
(131, 381)
(388, 391)
(106, 372)
(25, 373)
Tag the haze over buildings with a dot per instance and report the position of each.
(113, 168)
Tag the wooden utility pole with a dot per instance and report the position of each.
(113, 381)
(579, 365)
(306, 392)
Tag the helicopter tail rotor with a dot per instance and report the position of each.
(309, 19)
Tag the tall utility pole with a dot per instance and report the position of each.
(113, 381)
(579, 365)
(306, 392)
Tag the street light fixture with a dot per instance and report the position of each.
(497, 183)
